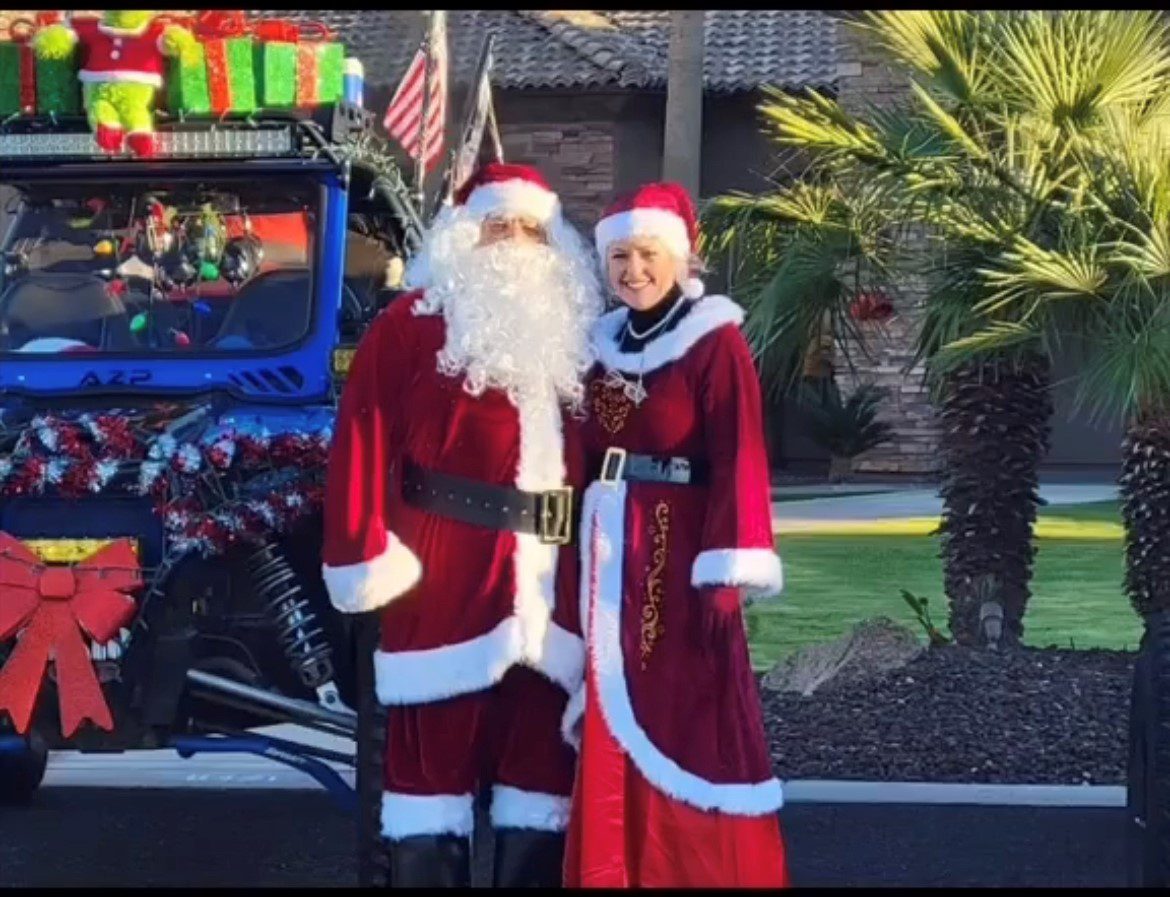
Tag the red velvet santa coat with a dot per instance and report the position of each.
(687, 716)
(461, 603)
(120, 54)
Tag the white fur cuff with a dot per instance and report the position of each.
(756, 570)
(366, 586)
(514, 808)
(407, 815)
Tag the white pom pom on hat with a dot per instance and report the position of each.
(664, 210)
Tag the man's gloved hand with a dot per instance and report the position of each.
(715, 615)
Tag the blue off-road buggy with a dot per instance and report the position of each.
(172, 336)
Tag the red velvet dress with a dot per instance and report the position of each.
(477, 623)
(674, 781)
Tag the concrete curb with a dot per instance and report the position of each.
(69, 770)
(817, 791)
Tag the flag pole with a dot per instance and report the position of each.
(420, 172)
(469, 107)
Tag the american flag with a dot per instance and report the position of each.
(404, 116)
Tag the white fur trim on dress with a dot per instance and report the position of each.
(516, 808)
(357, 588)
(601, 600)
(571, 718)
(120, 76)
(514, 197)
(757, 570)
(407, 815)
(664, 225)
(709, 314)
(432, 674)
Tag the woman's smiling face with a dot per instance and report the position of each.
(641, 271)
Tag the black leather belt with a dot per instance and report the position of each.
(622, 465)
(548, 515)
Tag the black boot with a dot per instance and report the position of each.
(430, 861)
(527, 858)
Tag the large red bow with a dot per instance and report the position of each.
(57, 604)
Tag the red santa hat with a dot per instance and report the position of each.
(501, 189)
(663, 210)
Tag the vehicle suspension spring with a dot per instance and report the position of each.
(304, 641)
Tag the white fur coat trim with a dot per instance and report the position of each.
(407, 815)
(515, 808)
(757, 570)
(366, 586)
(432, 674)
(709, 314)
(602, 550)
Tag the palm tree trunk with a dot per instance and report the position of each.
(996, 427)
(1145, 509)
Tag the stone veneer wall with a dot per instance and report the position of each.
(864, 79)
(577, 159)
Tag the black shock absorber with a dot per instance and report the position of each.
(304, 641)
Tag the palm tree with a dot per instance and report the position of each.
(1113, 295)
(992, 151)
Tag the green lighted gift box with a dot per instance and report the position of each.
(301, 74)
(218, 76)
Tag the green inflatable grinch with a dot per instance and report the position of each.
(121, 69)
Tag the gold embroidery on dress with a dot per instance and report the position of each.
(652, 626)
(610, 406)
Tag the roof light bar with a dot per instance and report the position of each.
(218, 142)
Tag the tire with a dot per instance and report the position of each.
(21, 774)
(1148, 788)
(373, 858)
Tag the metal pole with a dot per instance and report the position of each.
(683, 137)
(419, 164)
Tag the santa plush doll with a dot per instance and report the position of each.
(449, 509)
(675, 784)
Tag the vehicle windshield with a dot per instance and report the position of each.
(165, 267)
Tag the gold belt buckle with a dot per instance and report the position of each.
(613, 466)
(556, 516)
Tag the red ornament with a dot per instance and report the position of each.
(56, 605)
(873, 305)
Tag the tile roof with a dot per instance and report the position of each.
(598, 48)
(606, 49)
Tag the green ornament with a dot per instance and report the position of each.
(138, 323)
(209, 271)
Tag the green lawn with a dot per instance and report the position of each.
(834, 581)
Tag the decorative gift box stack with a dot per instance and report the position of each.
(239, 65)
(29, 85)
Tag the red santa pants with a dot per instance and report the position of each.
(625, 833)
(439, 755)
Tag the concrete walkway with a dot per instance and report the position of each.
(901, 503)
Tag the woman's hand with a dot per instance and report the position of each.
(715, 615)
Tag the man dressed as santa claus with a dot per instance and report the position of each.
(449, 509)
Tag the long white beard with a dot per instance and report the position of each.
(518, 315)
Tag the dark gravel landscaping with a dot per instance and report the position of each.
(1034, 716)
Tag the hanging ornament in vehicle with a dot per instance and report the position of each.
(241, 259)
(155, 234)
(138, 323)
(208, 234)
(179, 268)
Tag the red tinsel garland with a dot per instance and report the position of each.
(82, 457)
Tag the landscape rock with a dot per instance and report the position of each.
(873, 647)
